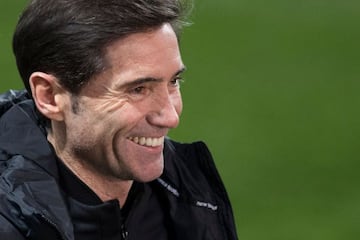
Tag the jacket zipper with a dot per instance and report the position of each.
(124, 233)
(53, 225)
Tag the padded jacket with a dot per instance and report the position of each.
(32, 205)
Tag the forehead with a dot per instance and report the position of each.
(157, 45)
(153, 54)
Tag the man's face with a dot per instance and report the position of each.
(123, 115)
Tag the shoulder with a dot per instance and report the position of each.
(8, 230)
(11, 97)
(197, 150)
(194, 156)
(191, 166)
(198, 195)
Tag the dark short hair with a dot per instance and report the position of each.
(67, 38)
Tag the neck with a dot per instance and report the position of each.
(105, 187)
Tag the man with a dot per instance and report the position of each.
(83, 152)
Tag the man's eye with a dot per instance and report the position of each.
(177, 81)
(138, 90)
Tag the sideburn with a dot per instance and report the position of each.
(75, 104)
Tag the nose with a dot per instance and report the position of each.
(166, 111)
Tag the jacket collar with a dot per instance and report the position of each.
(22, 134)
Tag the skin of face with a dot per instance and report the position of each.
(116, 126)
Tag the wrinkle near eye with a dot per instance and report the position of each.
(111, 100)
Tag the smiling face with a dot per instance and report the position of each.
(116, 126)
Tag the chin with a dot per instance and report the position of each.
(150, 175)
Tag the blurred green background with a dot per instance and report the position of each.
(273, 88)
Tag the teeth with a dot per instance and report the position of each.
(142, 141)
(147, 141)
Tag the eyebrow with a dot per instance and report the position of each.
(142, 80)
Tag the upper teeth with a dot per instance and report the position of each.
(148, 141)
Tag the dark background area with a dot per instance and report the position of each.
(273, 88)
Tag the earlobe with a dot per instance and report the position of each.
(46, 92)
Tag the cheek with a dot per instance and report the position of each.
(108, 107)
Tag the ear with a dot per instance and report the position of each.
(48, 95)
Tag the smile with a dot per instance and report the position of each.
(148, 141)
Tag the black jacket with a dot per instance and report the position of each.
(32, 205)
